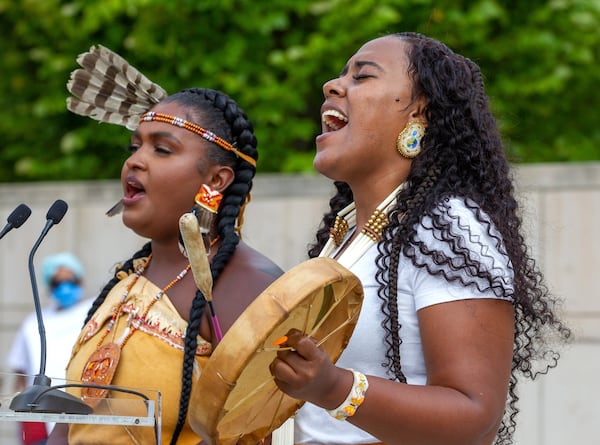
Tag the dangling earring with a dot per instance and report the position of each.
(409, 139)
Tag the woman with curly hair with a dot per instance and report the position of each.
(455, 310)
(150, 321)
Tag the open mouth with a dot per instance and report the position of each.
(333, 120)
(133, 188)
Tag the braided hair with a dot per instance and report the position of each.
(462, 157)
(219, 113)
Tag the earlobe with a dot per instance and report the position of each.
(418, 112)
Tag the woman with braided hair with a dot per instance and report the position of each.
(455, 310)
(150, 320)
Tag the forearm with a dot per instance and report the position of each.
(467, 354)
(59, 435)
(426, 415)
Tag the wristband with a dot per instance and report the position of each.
(355, 398)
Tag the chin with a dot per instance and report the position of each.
(326, 167)
(330, 173)
(127, 222)
(130, 222)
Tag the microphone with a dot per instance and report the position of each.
(55, 214)
(40, 397)
(16, 219)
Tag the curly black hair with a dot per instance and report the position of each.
(221, 114)
(462, 157)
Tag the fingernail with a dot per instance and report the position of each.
(280, 341)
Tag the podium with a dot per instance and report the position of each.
(132, 407)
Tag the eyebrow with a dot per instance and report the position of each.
(158, 134)
(360, 63)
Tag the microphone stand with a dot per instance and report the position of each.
(40, 397)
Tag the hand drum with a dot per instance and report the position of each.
(235, 399)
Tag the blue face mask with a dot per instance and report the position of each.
(67, 294)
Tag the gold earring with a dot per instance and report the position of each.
(409, 139)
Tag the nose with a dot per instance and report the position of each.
(333, 87)
(136, 159)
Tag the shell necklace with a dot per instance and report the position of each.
(102, 364)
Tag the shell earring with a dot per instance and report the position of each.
(409, 139)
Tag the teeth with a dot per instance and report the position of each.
(336, 114)
(334, 119)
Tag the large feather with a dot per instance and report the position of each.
(108, 89)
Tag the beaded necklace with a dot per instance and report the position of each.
(345, 225)
(102, 364)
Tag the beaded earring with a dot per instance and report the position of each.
(409, 139)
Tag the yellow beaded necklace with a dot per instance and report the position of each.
(369, 234)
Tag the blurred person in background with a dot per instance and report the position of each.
(62, 274)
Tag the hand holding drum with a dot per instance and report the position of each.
(235, 400)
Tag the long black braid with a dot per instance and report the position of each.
(341, 199)
(229, 122)
(219, 113)
(462, 157)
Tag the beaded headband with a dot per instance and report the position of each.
(108, 89)
(194, 128)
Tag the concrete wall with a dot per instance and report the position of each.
(561, 209)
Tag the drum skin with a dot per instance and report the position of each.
(235, 400)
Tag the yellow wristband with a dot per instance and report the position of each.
(355, 397)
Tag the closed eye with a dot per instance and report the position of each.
(132, 148)
(162, 150)
(162, 142)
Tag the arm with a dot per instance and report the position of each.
(20, 381)
(59, 435)
(467, 349)
(18, 358)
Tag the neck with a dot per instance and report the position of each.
(166, 257)
(366, 233)
(168, 251)
(367, 200)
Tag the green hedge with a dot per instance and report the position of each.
(540, 59)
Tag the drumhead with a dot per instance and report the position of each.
(235, 399)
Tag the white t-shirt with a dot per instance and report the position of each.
(416, 289)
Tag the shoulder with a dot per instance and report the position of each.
(461, 216)
(458, 223)
(30, 323)
(250, 260)
(81, 308)
(458, 207)
(28, 331)
(247, 274)
(464, 239)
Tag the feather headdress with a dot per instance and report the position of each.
(108, 89)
